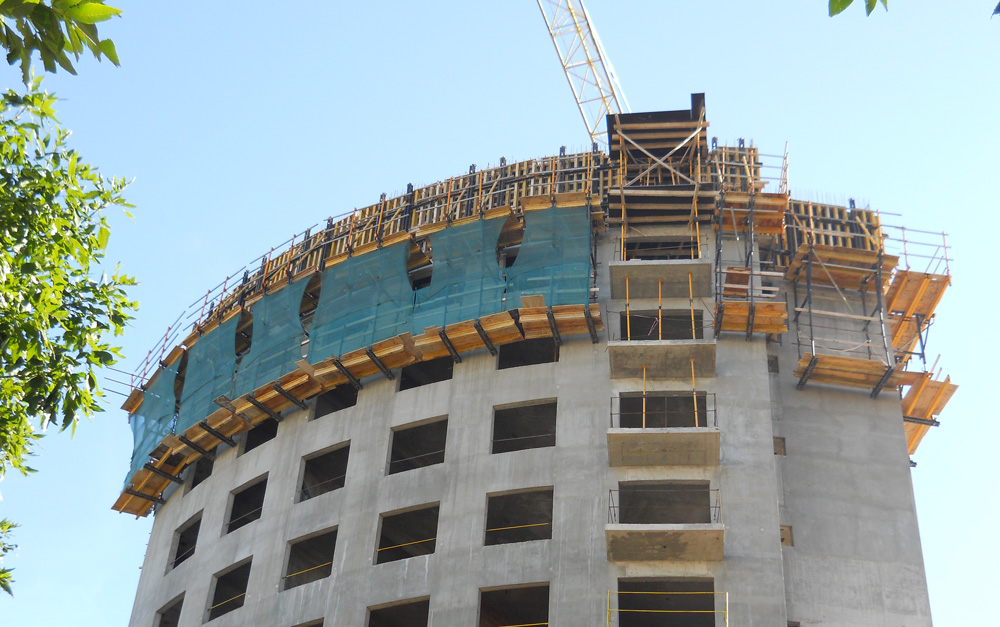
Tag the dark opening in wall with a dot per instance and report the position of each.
(661, 249)
(202, 470)
(509, 242)
(528, 353)
(230, 590)
(310, 559)
(665, 502)
(185, 539)
(418, 266)
(244, 334)
(407, 534)
(405, 614)
(419, 446)
(247, 504)
(663, 410)
(310, 300)
(523, 605)
(519, 517)
(340, 397)
(524, 426)
(687, 602)
(170, 614)
(426, 372)
(263, 432)
(644, 325)
(779, 445)
(324, 472)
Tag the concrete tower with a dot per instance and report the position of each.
(636, 387)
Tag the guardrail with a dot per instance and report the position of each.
(657, 410)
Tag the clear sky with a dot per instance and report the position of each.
(243, 123)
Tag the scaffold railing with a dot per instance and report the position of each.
(670, 505)
(658, 410)
(637, 607)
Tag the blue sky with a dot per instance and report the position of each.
(244, 123)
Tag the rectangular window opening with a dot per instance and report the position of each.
(779, 445)
(185, 539)
(661, 249)
(324, 472)
(337, 399)
(407, 534)
(202, 470)
(665, 502)
(262, 432)
(645, 602)
(310, 559)
(170, 614)
(247, 505)
(519, 517)
(522, 605)
(426, 372)
(644, 326)
(403, 614)
(528, 353)
(230, 591)
(523, 427)
(419, 446)
(664, 410)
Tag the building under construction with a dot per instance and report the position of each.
(634, 387)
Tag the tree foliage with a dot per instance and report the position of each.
(56, 313)
(836, 6)
(55, 29)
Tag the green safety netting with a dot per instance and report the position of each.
(362, 299)
(466, 282)
(210, 367)
(277, 339)
(154, 417)
(554, 260)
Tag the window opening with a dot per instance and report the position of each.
(407, 534)
(324, 472)
(419, 446)
(247, 505)
(519, 517)
(230, 591)
(664, 410)
(665, 502)
(310, 559)
(426, 372)
(263, 432)
(687, 602)
(170, 614)
(405, 614)
(202, 470)
(677, 325)
(528, 353)
(524, 426)
(523, 605)
(661, 250)
(185, 539)
(340, 397)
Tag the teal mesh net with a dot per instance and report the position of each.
(554, 260)
(466, 282)
(277, 339)
(210, 367)
(154, 417)
(362, 299)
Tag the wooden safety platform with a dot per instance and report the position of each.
(768, 213)
(173, 454)
(869, 374)
(735, 315)
(922, 403)
(910, 302)
(847, 268)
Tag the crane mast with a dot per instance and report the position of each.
(587, 67)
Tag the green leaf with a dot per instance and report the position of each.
(870, 6)
(91, 12)
(102, 237)
(836, 6)
(108, 48)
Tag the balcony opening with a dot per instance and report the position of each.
(202, 470)
(664, 410)
(645, 325)
(665, 502)
(324, 471)
(519, 517)
(310, 559)
(522, 605)
(247, 505)
(230, 590)
(426, 372)
(185, 539)
(170, 614)
(523, 427)
(407, 534)
(418, 446)
(402, 614)
(645, 602)
(661, 249)
(340, 397)
(528, 353)
(261, 433)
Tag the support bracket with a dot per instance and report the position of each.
(155, 499)
(451, 348)
(215, 434)
(883, 381)
(484, 337)
(289, 396)
(264, 408)
(591, 327)
(553, 326)
(347, 373)
(379, 364)
(922, 421)
(807, 373)
(204, 453)
(162, 473)
(224, 402)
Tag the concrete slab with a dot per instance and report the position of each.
(675, 446)
(687, 543)
(643, 277)
(664, 359)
